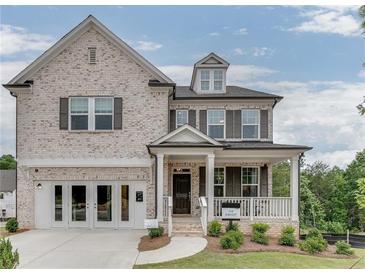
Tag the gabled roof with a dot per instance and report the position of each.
(232, 92)
(76, 32)
(185, 135)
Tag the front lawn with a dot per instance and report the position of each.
(208, 259)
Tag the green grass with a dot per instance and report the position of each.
(208, 260)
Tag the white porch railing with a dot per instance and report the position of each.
(167, 213)
(203, 214)
(256, 208)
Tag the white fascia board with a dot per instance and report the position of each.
(126, 162)
(255, 153)
(188, 151)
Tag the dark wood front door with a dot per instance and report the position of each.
(181, 194)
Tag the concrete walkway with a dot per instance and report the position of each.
(179, 247)
(77, 248)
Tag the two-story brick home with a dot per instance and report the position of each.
(105, 139)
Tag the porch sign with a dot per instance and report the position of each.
(150, 223)
(230, 211)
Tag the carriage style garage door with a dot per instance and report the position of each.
(90, 204)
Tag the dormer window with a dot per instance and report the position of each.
(211, 80)
(205, 80)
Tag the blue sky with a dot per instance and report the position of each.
(311, 55)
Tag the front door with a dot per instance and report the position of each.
(104, 204)
(79, 204)
(181, 193)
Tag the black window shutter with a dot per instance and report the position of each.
(233, 181)
(264, 123)
(264, 182)
(237, 123)
(64, 113)
(118, 112)
(203, 121)
(172, 120)
(229, 124)
(192, 117)
(202, 181)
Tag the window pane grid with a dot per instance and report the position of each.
(215, 123)
(250, 123)
(181, 117)
(219, 182)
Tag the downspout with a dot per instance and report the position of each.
(155, 156)
(300, 157)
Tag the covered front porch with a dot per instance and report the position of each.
(195, 178)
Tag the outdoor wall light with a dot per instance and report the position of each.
(39, 186)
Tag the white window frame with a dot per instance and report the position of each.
(258, 125)
(187, 117)
(224, 124)
(224, 181)
(90, 114)
(258, 180)
(211, 80)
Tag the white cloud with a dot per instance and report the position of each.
(361, 74)
(321, 114)
(239, 51)
(237, 74)
(330, 19)
(241, 31)
(16, 39)
(148, 45)
(214, 34)
(7, 107)
(262, 51)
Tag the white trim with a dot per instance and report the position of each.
(224, 181)
(187, 117)
(224, 124)
(124, 162)
(259, 124)
(76, 32)
(187, 127)
(258, 180)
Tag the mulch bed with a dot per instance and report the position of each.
(147, 243)
(7, 234)
(273, 246)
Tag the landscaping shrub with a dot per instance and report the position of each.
(214, 228)
(155, 232)
(314, 242)
(232, 227)
(335, 227)
(12, 225)
(287, 236)
(8, 258)
(343, 248)
(232, 240)
(259, 233)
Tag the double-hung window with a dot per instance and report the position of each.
(219, 182)
(205, 80)
(181, 117)
(250, 123)
(250, 181)
(218, 80)
(91, 113)
(216, 118)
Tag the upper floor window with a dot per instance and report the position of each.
(250, 181)
(215, 121)
(205, 80)
(218, 80)
(181, 117)
(91, 113)
(219, 182)
(250, 123)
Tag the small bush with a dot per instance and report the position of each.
(260, 238)
(232, 227)
(343, 248)
(12, 225)
(155, 232)
(8, 258)
(314, 233)
(214, 228)
(237, 235)
(287, 236)
(313, 245)
(260, 227)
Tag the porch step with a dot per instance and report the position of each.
(186, 226)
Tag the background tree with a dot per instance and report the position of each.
(360, 200)
(281, 179)
(7, 162)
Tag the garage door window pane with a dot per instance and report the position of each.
(58, 203)
(125, 203)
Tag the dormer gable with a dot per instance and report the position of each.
(209, 75)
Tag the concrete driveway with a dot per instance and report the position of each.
(77, 248)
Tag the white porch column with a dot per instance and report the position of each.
(209, 184)
(159, 186)
(294, 187)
